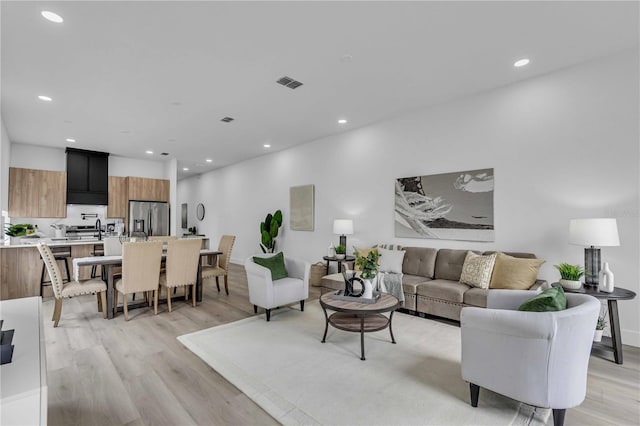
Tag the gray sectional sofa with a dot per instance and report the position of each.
(431, 284)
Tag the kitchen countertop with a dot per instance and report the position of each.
(31, 242)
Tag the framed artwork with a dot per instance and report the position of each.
(301, 208)
(184, 215)
(448, 206)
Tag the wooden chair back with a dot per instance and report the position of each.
(225, 246)
(141, 266)
(52, 268)
(182, 262)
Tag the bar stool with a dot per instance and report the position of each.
(59, 253)
(98, 250)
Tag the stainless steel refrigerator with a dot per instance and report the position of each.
(150, 217)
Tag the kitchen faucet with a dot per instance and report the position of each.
(99, 226)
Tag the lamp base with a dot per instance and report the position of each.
(343, 241)
(591, 266)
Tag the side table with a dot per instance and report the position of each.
(614, 323)
(334, 259)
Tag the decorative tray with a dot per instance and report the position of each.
(339, 295)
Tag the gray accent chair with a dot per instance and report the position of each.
(539, 358)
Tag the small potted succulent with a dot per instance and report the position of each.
(570, 275)
(341, 251)
(600, 325)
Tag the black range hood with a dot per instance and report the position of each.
(87, 177)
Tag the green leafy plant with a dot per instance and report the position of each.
(19, 230)
(269, 231)
(602, 323)
(570, 272)
(368, 265)
(340, 249)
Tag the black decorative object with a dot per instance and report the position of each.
(348, 285)
(6, 348)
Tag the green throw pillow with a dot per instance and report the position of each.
(552, 299)
(275, 264)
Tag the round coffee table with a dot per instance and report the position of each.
(359, 317)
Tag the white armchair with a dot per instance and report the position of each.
(268, 294)
(539, 358)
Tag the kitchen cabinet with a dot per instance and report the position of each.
(37, 193)
(118, 197)
(20, 269)
(87, 173)
(145, 189)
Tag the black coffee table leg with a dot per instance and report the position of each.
(393, 340)
(326, 325)
(616, 338)
(362, 337)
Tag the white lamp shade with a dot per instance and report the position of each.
(343, 226)
(594, 232)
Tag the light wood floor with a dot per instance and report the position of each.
(114, 372)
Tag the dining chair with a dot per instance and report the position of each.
(221, 268)
(140, 272)
(181, 268)
(72, 288)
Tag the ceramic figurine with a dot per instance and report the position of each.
(606, 279)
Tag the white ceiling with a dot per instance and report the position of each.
(126, 77)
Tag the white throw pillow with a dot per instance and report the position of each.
(477, 270)
(391, 260)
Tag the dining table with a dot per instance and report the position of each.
(109, 262)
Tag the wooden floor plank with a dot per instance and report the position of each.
(135, 373)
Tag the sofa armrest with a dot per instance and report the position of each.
(540, 285)
(524, 325)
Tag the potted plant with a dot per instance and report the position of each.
(600, 325)
(570, 275)
(341, 251)
(269, 231)
(18, 230)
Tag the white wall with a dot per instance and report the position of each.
(123, 166)
(38, 157)
(564, 145)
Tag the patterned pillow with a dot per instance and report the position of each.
(390, 246)
(477, 270)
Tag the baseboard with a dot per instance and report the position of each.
(631, 338)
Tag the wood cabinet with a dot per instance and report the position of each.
(145, 189)
(37, 193)
(118, 197)
(20, 270)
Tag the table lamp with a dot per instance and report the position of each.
(343, 227)
(593, 232)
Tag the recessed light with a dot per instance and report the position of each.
(50, 16)
(346, 58)
(71, 140)
(149, 152)
(266, 145)
(209, 160)
(521, 63)
(186, 169)
(44, 98)
(342, 121)
(171, 140)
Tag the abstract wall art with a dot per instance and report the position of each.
(448, 206)
(301, 208)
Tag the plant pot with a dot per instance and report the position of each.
(340, 256)
(570, 285)
(597, 335)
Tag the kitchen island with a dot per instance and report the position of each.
(21, 266)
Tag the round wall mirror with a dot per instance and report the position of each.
(200, 211)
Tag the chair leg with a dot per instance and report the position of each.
(186, 293)
(558, 417)
(42, 280)
(302, 305)
(99, 301)
(155, 301)
(103, 300)
(193, 295)
(217, 284)
(66, 266)
(475, 392)
(115, 302)
(268, 314)
(93, 270)
(226, 284)
(57, 312)
(168, 300)
(125, 307)
(255, 309)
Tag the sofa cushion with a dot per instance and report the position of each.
(514, 273)
(518, 254)
(419, 261)
(410, 283)
(451, 291)
(449, 264)
(391, 260)
(477, 269)
(476, 297)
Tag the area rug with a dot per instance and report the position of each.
(286, 370)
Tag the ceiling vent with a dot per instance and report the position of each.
(227, 119)
(289, 82)
(164, 153)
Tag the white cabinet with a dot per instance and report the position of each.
(23, 382)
